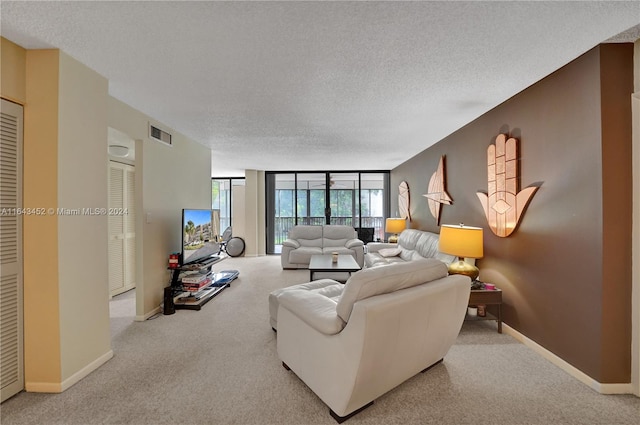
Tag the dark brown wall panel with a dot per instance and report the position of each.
(551, 267)
(616, 68)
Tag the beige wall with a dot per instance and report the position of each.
(83, 239)
(253, 210)
(168, 179)
(67, 112)
(66, 318)
(13, 61)
(40, 233)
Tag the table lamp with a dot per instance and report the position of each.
(395, 226)
(463, 242)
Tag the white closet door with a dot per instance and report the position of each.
(122, 234)
(130, 229)
(11, 290)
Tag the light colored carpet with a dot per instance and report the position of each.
(220, 366)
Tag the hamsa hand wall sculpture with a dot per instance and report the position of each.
(503, 204)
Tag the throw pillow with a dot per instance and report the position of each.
(389, 252)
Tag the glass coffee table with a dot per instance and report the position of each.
(323, 263)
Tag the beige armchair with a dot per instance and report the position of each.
(352, 343)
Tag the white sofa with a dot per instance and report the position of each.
(352, 343)
(304, 241)
(412, 245)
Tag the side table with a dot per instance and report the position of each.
(487, 297)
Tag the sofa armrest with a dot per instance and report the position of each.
(352, 243)
(314, 309)
(377, 246)
(291, 243)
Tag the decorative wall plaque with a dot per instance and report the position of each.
(503, 204)
(437, 195)
(403, 201)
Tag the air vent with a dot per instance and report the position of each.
(159, 135)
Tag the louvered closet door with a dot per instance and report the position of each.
(122, 241)
(129, 229)
(11, 298)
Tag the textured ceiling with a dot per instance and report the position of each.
(317, 85)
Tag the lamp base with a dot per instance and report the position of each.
(393, 239)
(462, 267)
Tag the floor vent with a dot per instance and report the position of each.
(159, 135)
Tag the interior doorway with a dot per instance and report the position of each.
(122, 231)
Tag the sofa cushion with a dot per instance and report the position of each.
(303, 254)
(337, 235)
(390, 252)
(418, 244)
(374, 259)
(313, 308)
(325, 287)
(339, 249)
(353, 243)
(307, 235)
(387, 278)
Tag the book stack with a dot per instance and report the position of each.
(193, 282)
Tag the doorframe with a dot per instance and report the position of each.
(127, 266)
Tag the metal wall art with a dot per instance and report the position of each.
(503, 204)
(437, 195)
(403, 201)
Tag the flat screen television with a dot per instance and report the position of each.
(200, 230)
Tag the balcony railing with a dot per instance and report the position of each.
(284, 224)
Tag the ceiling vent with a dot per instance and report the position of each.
(160, 135)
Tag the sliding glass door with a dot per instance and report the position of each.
(221, 198)
(374, 203)
(357, 199)
(343, 198)
(311, 198)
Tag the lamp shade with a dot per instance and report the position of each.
(461, 241)
(395, 225)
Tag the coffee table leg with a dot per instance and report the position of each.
(310, 275)
(500, 318)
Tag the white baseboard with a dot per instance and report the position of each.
(147, 315)
(58, 387)
(622, 388)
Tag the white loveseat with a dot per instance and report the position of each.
(412, 245)
(304, 241)
(352, 343)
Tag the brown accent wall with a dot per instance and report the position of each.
(566, 270)
(616, 78)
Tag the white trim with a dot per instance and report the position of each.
(58, 387)
(148, 315)
(622, 388)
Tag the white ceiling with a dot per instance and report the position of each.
(317, 85)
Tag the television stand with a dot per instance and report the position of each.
(185, 300)
(197, 300)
